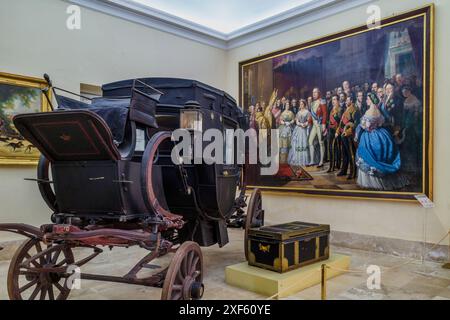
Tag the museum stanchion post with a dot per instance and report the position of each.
(323, 286)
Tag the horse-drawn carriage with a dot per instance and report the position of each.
(106, 174)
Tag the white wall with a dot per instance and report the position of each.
(34, 40)
(387, 219)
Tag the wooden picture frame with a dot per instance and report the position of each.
(19, 94)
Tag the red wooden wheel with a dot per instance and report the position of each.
(27, 283)
(184, 278)
(152, 191)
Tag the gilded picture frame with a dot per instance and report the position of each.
(261, 79)
(19, 94)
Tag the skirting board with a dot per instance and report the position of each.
(394, 247)
(270, 283)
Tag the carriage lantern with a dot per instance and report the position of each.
(191, 118)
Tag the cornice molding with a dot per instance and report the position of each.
(165, 22)
(295, 18)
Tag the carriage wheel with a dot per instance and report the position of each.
(26, 284)
(151, 189)
(184, 278)
(255, 216)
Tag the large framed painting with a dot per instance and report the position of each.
(18, 94)
(353, 110)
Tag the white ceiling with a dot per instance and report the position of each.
(224, 16)
(224, 24)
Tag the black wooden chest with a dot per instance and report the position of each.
(288, 246)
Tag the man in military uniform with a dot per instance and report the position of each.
(346, 130)
(294, 106)
(361, 103)
(319, 128)
(334, 148)
(388, 108)
(328, 138)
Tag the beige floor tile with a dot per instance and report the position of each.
(409, 281)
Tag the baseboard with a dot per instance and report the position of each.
(394, 247)
(390, 246)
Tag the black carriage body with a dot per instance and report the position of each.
(103, 193)
(179, 91)
(214, 184)
(97, 167)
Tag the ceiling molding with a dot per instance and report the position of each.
(154, 19)
(165, 22)
(293, 19)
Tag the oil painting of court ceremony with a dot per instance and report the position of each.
(352, 111)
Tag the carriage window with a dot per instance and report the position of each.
(229, 154)
(140, 140)
(229, 150)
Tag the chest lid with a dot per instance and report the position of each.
(289, 230)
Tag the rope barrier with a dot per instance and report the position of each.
(291, 286)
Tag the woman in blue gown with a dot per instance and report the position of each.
(378, 158)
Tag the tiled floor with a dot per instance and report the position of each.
(404, 281)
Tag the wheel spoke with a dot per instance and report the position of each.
(48, 256)
(59, 287)
(61, 263)
(43, 293)
(43, 259)
(27, 273)
(177, 287)
(191, 265)
(194, 266)
(56, 256)
(35, 292)
(28, 285)
(177, 296)
(34, 262)
(180, 277)
(51, 295)
(184, 266)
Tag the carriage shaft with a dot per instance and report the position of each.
(152, 281)
(23, 229)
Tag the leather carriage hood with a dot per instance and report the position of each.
(116, 112)
(75, 135)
